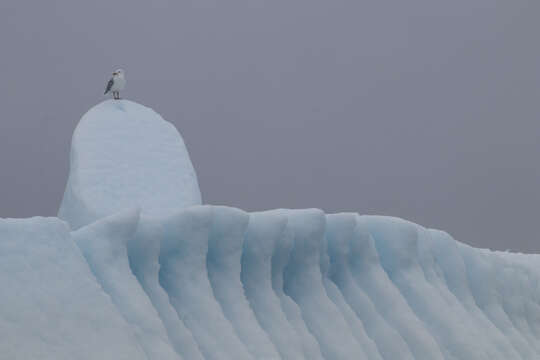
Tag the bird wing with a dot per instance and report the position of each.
(109, 86)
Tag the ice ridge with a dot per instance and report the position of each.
(136, 268)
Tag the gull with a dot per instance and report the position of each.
(117, 83)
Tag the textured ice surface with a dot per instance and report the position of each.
(124, 155)
(209, 282)
(104, 245)
(149, 274)
(265, 231)
(144, 250)
(184, 275)
(51, 306)
(303, 283)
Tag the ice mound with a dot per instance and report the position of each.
(148, 273)
(124, 155)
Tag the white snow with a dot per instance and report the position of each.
(148, 273)
(124, 155)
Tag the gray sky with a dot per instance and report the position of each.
(422, 109)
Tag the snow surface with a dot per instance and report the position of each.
(134, 280)
(124, 155)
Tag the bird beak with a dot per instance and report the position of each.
(115, 73)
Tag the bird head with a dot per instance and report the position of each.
(118, 72)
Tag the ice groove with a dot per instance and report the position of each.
(300, 284)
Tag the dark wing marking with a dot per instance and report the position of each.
(109, 86)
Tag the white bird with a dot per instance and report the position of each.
(117, 83)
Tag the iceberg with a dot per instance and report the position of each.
(136, 267)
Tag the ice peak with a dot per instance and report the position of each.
(124, 155)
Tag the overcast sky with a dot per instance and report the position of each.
(422, 109)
